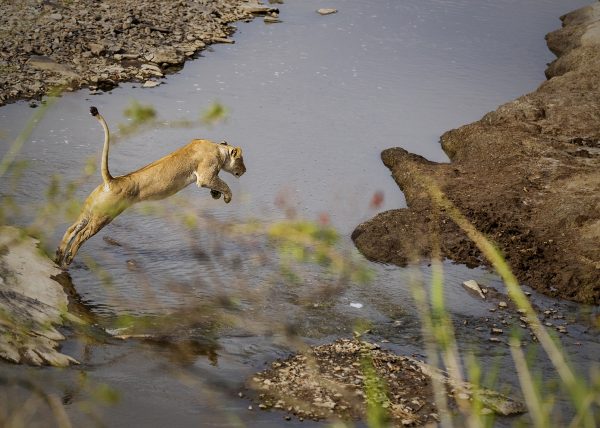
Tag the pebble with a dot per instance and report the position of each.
(326, 11)
(502, 304)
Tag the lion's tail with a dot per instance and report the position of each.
(106, 177)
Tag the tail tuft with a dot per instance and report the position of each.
(93, 111)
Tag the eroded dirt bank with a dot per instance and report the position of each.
(79, 43)
(527, 175)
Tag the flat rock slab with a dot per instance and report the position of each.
(526, 175)
(330, 381)
(32, 304)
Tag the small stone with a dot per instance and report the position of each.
(502, 305)
(250, 407)
(96, 48)
(150, 84)
(271, 19)
(472, 286)
(494, 339)
(326, 11)
(497, 331)
(56, 17)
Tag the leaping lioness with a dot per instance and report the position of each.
(199, 161)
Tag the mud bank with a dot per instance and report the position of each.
(85, 43)
(527, 175)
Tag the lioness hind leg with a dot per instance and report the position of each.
(92, 227)
(68, 237)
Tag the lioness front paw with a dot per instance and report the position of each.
(227, 198)
(215, 194)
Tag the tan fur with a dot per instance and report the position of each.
(200, 161)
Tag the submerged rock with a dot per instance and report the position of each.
(32, 304)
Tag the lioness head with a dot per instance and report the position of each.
(235, 162)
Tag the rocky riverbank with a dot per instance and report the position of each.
(527, 175)
(86, 43)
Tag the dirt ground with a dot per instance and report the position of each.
(527, 175)
(86, 43)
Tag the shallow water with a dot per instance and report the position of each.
(312, 101)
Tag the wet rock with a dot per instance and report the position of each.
(473, 287)
(271, 19)
(150, 84)
(258, 8)
(32, 304)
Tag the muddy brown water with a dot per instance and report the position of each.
(312, 101)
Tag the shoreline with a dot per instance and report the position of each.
(82, 43)
(526, 175)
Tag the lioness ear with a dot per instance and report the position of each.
(236, 152)
(224, 143)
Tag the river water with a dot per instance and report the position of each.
(312, 101)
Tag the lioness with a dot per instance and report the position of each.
(199, 161)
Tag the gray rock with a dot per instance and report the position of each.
(32, 304)
(170, 56)
(44, 63)
(150, 84)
